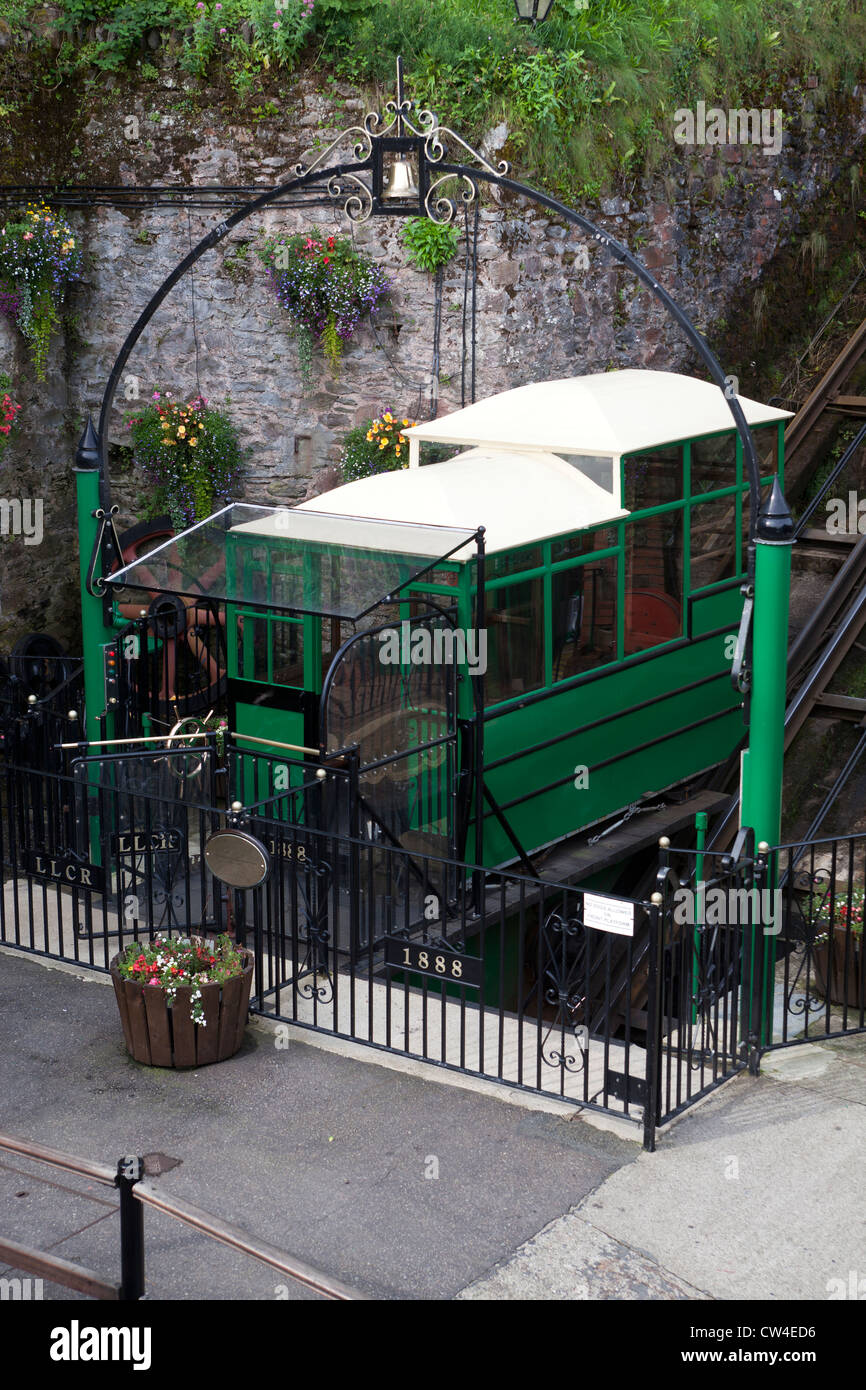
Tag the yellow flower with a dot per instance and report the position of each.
(405, 422)
(181, 429)
(193, 442)
(370, 435)
(398, 450)
(388, 415)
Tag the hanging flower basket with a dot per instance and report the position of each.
(183, 1001)
(9, 411)
(39, 258)
(326, 287)
(190, 454)
(379, 446)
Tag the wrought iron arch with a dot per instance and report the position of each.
(425, 142)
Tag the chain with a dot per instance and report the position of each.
(635, 809)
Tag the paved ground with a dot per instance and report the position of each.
(759, 1193)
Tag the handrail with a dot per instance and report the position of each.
(74, 1276)
(99, 1172)
(238, 1239)
(58, 1270)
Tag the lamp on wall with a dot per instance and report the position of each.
(533, 11)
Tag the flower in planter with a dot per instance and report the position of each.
(377, 447)
(180, 962)
(191, 454)
(326, 287)
(39, 258)
(839, 915)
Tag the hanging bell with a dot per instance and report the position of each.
(399, 184)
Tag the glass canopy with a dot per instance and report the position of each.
(293, 561)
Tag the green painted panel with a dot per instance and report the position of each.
(715, 610)
(260, 721)
(284, 726)
(615, 780)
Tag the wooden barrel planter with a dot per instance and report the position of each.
(160, 1036)
(830, 973)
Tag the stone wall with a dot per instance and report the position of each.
(712, 224)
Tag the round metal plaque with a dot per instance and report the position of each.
(237, 858)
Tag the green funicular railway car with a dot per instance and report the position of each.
(598, 666)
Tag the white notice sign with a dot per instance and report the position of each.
(608, 914)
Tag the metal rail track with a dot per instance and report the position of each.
(824, 394)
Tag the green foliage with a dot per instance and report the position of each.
(586, 95)
(236, 262)
(125, 21)
(430, 245)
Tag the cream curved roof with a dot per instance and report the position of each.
(518, 498)
(606, 413)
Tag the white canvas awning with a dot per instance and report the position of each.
(518, 497)
(608, 414)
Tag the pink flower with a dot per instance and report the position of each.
(276, 24)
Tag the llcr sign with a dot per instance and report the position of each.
(74, 873)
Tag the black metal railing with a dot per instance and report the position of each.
(496, 974)
(637, 1008)
(708, 975)
(820, 975)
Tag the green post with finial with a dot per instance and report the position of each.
(93, 629)
(763, 763)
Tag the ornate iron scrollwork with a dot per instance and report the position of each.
(315, 977)
(424, 138)
(807, 923)
(561, 971)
